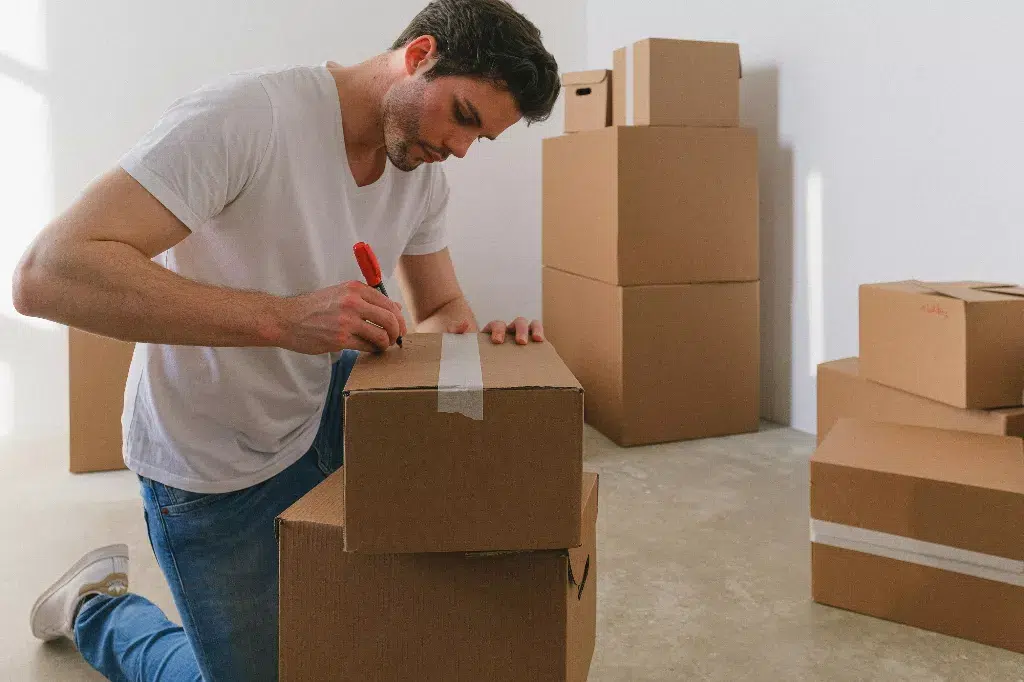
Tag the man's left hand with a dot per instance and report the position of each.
(524, 330)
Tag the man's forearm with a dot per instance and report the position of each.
(448, 317)
(111, 289)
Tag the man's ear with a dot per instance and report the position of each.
(420, 55)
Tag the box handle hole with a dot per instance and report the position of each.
(580, 92)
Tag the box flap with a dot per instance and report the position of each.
(324, 505)
(592, 77)
(739, 60)
(503, 366)
(973, 459)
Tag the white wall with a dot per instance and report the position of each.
(80, 82)
(892, 146)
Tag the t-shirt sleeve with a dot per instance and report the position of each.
(432, 234)
(205, 148)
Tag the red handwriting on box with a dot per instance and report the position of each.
(935, 309)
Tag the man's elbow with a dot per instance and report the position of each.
(28, 287)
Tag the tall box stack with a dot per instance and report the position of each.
(650, 245)
(917, 486)
(449, 546)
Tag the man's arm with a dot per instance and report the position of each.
(432, 292)
(91, 269)
(437, 304)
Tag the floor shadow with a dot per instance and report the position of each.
(760, 109)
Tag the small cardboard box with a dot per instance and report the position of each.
(663, 82)
(659, 363)
(844, 392)
(588, 100)
(921, 526)
(961, 343)
(501, 616)
(634, 206)
(97, 372)
(455, 444)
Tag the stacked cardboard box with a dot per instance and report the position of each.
(458, 541)
(650, 244)
(97, 371)
(917, 486)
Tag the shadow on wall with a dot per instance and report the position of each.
(760, 109)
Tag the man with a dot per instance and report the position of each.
(222, 244)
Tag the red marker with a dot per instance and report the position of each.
(370, 266)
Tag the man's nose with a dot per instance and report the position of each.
(460, 147)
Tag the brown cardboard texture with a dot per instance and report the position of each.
(588, 100)
(501, 616)
(844, 392)
(422, 480)
(97, 372)
(934, 517)
(659, 363)
(652, 205)
(665, 82)
(961, 343)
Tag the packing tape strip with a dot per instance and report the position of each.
(944, 557)
(460, 383)
(629, 85)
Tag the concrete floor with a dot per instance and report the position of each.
(703, 569)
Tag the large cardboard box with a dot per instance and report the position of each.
(921, 526)
(455, 444)
(431, 617)
(97, 372)
(664, 82)
(652, 205)
(961, 343)
(588, 100)
(659, 363)
(844, 392)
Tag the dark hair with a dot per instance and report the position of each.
(491, 40)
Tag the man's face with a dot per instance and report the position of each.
(427, 120)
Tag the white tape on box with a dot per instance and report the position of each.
(460, 384)
(987, 566)
(629, 85)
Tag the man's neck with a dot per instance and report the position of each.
(361, 90)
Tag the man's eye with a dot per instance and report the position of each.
(460, 117)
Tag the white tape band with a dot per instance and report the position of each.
(460, 384)
(629, 85)
(987, 566)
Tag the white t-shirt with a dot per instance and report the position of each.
(255, 166)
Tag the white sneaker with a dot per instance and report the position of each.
(101, 571)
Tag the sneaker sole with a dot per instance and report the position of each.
(108, 552)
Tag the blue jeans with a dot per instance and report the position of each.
(219, 555)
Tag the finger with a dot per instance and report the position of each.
(382, 317)
(459, 327)
(497, 330)
(357, 343)
(522, 328)
(536, 331)
(374, 335)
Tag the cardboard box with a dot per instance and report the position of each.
(923, 527)
(844, 392)
(588, 100)
(424, 473)
(97, 372)
(662, 82)
(652, 205)
(659, 363)
(431, 617)
(961, 343)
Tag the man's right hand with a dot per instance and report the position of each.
(340, 317)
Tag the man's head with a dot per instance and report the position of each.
(470, 69)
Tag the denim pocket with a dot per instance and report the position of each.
(175, 501)
(329, 444)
